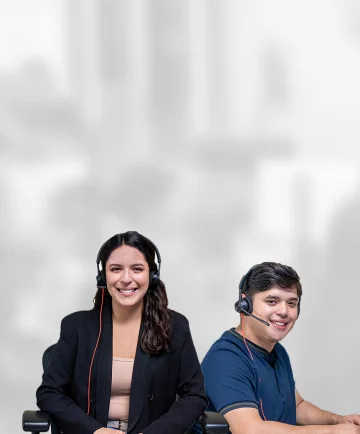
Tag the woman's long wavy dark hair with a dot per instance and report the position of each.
(156, 315)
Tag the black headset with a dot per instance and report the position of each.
(101, 284)
(154, 275)
(244, 305)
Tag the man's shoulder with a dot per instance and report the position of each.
(228, 346)
(229, 339)
(228, 372)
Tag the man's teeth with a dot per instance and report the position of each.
(279, 323)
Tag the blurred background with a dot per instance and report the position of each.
(226, 131)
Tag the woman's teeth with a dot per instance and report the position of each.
(127, 291)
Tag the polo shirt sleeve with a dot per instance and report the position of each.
(229, 378)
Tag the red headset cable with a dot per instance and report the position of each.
(243, 335)
(252, 358)
(96, 346)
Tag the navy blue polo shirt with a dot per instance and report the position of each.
(233, 380)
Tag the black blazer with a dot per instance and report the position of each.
(157, 380)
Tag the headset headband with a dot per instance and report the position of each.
(157, 253)
(244, 280)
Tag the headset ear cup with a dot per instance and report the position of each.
(244, 305)
(237, 306)
(154, 278)
(101, 280)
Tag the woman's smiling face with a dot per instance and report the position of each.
(127, 276)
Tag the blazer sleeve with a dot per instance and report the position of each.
(53, 395)
(192, 401)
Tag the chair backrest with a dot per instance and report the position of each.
(47, 356)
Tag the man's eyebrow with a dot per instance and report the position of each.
(275, 297)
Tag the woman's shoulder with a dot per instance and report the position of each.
(75, 319)
(180, 330)
(179, 321)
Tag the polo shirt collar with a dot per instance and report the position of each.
(271, 357)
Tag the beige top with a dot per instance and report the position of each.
(120, 388)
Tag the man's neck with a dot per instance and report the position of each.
(247, 334)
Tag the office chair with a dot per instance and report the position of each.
(38, 421)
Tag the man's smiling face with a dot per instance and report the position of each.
(279, 307)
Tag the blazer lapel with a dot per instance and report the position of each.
(104, 366)
(138, 382)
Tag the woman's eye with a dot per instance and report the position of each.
(114, 269)
(138, 269)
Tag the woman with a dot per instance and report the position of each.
(123, 364)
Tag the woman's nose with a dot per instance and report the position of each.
(125, 276)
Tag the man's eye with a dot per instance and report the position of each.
(271, 302)
(293, 304)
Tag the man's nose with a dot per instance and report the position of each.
(282, 309)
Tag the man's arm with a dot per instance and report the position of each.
(248, 421)
(309, 414)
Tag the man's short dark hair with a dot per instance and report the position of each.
(264, 276)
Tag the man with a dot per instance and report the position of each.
(248, 375)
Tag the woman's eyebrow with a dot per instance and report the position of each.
(132, 265)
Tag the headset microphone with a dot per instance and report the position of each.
(240, 307)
